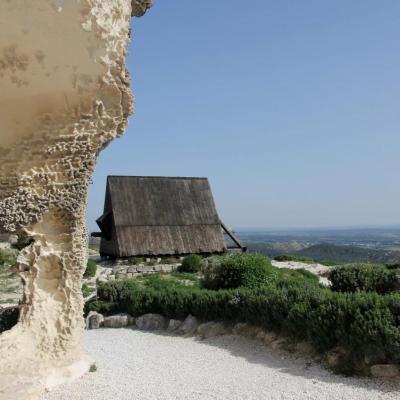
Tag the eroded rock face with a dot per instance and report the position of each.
(65, 94)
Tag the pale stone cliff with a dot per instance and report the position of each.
(64, 95)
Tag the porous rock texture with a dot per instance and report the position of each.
(65, 94)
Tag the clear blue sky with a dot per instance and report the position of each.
(290, 108)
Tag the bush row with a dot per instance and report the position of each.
(367, 277)
(365, 323)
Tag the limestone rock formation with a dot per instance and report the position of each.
(65, 94)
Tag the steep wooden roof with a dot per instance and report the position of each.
(161, 215)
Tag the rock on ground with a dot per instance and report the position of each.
(151, 322)
(94, 320)
(211, 329)
(173, 325)
(385, 371)
(189, 326)
(133, 364)
(118, 321)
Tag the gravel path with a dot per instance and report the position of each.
(153, 366)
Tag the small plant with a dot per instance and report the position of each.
(190, 263)
(364, 277)
(150, 263)
(135, 261)
(91, 269)
(86, 290)
(93, 368)
(8, 259)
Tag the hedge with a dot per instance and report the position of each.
(367, 277)
(363, 322)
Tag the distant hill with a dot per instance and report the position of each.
(327, 251)
(349, 254)
(274, 249)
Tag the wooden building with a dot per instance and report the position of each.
(153, 216)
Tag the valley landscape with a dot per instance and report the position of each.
(352, 245)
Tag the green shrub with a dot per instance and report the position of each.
(8, 319)
(233, 271)
(190, 263)
(91, 269)
(364, 277)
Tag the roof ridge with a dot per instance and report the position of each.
(156, 177)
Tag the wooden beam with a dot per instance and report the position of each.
(235, 240)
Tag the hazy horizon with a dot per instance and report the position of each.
(290, 109)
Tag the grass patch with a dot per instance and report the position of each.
(91, 269)
(172, 280)
(299, 274)
(185, 276)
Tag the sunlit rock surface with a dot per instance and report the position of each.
(64, 95)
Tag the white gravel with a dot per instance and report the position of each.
(155, 366)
